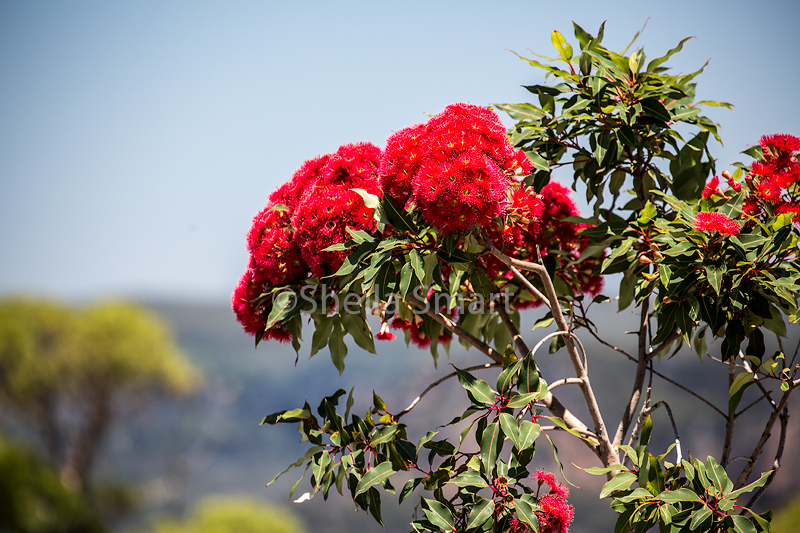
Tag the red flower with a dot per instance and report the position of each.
(781, 141)
(456, 167)
(384, 334)
(291, 192)
(769, 189)
(273, 251)
(712, 188)
(556, 514)
(322, 219)
(248, 313)
(707, 222)
(787, 207)
(556, 488)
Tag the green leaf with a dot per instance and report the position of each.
(561, 45)
(511, 429)
(337, 347)
(491, 441)
(398, 218)
(521, 400)
(479, 389)
(742, 524)
(358, 327)
(526, 513)
(528, 432)
(679, 495)
(372, 201)
(714, 274)
(377, 474)
(282, 305)
(418, 264)
(621, 481)
(699, 516)
(717, 475)
(385, 434)
(470, 478)
(439, 514)
(409, 487)
(661, 60)
(528, 381)
(482, 511)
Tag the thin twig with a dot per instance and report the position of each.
(751, 462)
(776, 463)
(565, 381)
(439, 382)
(444, 320)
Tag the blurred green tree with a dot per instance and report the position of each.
(65, 373)
(233, 514)
(33, 499)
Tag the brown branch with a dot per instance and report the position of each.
(638, 382)
(606, 452)
(550, 402)
(776, 464)
(445, 321)
(751, 462)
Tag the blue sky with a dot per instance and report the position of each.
(137, 139)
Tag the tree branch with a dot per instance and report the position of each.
(638, 382)
(776, 464)
(751, 462)
(608, 455)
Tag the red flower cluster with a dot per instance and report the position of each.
(775, 177)
(417, 336)
(549, 232)
(707, 222)
(456, 167)
(303, 217)
(556, 514)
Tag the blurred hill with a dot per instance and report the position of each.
(211, 443)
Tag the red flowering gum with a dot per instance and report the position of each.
(249, 315)
(322, 219)
(355, 165)
(273, 252)
(524, 214)
(400, 162)
(780, 141)
(712, 188)
(555, 515)
(456, 167)
(789, 207)
(291, 192)
(455, 195)
(558, 204)
(707, 222)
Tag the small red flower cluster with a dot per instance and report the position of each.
(721, 223)
(456, 167)
(548, 231)
(418, 337)
(774, 177)
(556, 514)
(303, 217)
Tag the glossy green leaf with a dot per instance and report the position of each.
(377, 474)
(439, 514)
(621, 481)
(481, 512)
(479, 389)
(491, 442)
